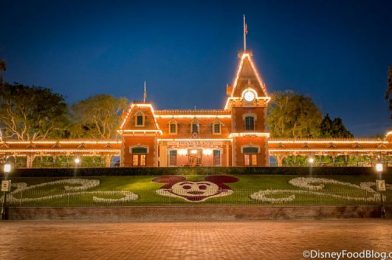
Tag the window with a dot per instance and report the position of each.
(250, 150)
(249, 123)
(250, 156)
(217, 128)
(173, 158)
(217, 158)
(139, 150)
(139, 119)
(195, 128)
(173, 128)
(139, 156)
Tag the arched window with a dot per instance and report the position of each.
(173, 127)
(195, 127)
(249, 123)
(139, 119)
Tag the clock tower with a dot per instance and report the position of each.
(247, 99)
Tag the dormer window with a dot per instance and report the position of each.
(249, 123)
(173, 127)
(195, 127)
(216, 128)
(139, 119)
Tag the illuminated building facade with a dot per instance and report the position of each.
(233, 136)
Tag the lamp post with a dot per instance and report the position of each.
(310, 162)
(5, 187)
(77, 163)
(380, 185)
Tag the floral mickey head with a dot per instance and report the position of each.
(195, 191)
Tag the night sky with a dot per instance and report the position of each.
(337, 52)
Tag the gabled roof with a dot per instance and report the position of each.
(247, 70)
(144, 108)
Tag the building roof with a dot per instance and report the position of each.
(192, 112)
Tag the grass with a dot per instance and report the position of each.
(145, 188)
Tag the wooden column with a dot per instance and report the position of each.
(108, 159)
(29, 160)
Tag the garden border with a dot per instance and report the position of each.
(199, 212)
(154, 171)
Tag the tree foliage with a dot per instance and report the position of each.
(334, 128)
(388, 92)
(31, 113)
(292, 115)
(3, 68)
(97, 116)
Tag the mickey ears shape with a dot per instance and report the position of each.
(221, 179)
(168, 179)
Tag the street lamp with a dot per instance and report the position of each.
(310, 162)
(5, 187)
(7, 170)
(77, 161)
(380, 186)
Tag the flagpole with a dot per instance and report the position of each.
(145, 92)
(244, 34)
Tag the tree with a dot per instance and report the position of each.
(334, 128)
(293, 116)
(97, 116)
(3, 68)
(388, 92)
(31, 113)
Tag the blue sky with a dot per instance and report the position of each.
(337, 52)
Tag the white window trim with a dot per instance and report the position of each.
(137, 146)
(250, 146)
(168, 157)
(170, 123)
(249, 114)
(144, 119)
(198, 126)
(220, 156)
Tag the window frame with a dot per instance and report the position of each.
(170, 157)
(176, 127)
(196, 123)
(253, 122)
(137, 115)
(220, 128)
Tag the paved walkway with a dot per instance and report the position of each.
(189, 240)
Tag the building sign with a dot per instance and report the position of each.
(6, 186)
(380, 185)
(195, 143)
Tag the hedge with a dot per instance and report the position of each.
(122, 171)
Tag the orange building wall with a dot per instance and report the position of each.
(144, 141)
(239, 122)
(261, 142)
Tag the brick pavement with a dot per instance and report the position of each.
(189, 240)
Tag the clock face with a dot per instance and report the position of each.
(249, 96)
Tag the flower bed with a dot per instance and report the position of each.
(85, 184)
(315, 186)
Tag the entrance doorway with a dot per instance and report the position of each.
(195, 157)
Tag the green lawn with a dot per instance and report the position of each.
(145, 189)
